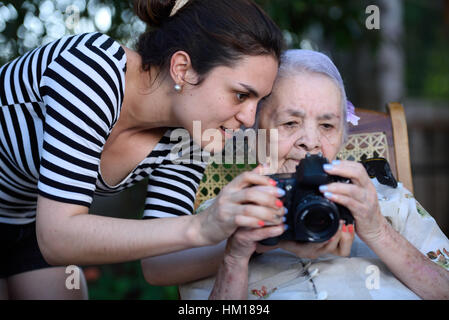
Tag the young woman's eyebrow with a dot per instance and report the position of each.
(250, 89)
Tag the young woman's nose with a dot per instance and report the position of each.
(247, 115)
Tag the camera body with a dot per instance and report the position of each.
(310, 217)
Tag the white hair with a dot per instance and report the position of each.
(296, 61)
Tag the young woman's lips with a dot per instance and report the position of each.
(228, 133)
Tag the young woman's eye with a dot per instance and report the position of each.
(241, 97)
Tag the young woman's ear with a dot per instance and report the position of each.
(181, 70)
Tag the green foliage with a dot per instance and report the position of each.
(125, 281)
(427, 46)
(325, 25)
(341, 23)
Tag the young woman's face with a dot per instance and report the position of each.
(306, 111)
(226, 99)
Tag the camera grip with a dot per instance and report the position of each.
(269, 241)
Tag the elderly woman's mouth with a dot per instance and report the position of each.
(288, 166)
(293, 161)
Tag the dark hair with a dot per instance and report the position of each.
(213, 33)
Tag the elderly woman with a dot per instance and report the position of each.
(391, 248)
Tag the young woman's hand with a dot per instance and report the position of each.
(359, 196)
(250, 200)
(340, 244)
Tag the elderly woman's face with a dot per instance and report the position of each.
(306, 110)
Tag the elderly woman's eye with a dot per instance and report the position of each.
(290, 124)
(327, 126)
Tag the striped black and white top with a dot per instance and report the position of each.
(58, 105)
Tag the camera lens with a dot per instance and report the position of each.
(316, 219)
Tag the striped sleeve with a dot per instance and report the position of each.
(82, 90)
(172, 187)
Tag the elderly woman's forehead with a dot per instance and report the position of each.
(298, 112)
(293, 89)
(299, 78)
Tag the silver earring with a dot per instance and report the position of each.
(177, 88)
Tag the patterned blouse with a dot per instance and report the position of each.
(279, 274)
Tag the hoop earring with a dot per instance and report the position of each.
(177, 88)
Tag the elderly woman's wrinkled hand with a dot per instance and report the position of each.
(242, 244)
(360, 197)
(339, 245)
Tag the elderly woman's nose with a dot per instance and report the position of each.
(309, 140)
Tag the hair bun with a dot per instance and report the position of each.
(153, 12)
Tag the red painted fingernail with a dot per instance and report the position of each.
(261, 223)
(273, 183)
(351, 228)
(279, 203)
(344, 228)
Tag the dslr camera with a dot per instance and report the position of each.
(311, 217)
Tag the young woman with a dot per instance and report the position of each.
(85, 115)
